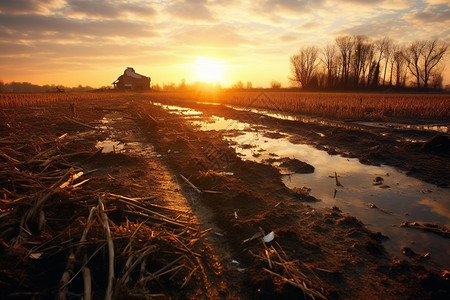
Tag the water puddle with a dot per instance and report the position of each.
(426, 127)
(380, 196)
(109, 146)
(219, 123)
(178, 110)
(209, 103)
(300, 118)
(395, 199)
(117, 143)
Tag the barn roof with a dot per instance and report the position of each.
(130, 72)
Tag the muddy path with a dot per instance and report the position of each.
(246, 235)
(153, 225)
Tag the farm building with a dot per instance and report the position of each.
(130, 80)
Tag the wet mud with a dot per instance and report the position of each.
(199, 178)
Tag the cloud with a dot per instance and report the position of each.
(14, 49)
(220, 36)
(396, 29)
(292, 6)
(287, 38)
(191, 10)
(433, 14)
(107, 9)
(434, 2)
(364, 2)
(26, 26)
(71, 36)
(52, 50)
(27, 6)
(377, 4)
(309, 25)
(226, 2)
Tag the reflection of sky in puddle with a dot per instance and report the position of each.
(406, 198)
(219, 123)
(110, 146)
(178, 110)
(399, 199)
(125, 145)
(301, 118)
(208, 103)
(438, 128)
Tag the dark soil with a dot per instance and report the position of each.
(296, 166)
(314, 253)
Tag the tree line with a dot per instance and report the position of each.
(26, 87)
(362, 63)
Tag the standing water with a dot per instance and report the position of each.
(380, 196)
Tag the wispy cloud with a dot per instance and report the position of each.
(29, 6)
(104, 35)
(221, 36)
(293, 6)
(190, 10)
(434, 14)
(107, 9)
(30, 27)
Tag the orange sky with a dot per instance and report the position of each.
(72, 42)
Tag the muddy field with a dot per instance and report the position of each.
(129, 198)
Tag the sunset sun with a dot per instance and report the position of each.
(208, 70)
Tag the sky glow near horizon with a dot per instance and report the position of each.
(72, 42)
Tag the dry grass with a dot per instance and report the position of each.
(12, 100)
(330, 105)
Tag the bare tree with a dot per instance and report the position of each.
(393, 50)
(374, 74)
(275, 84)
(237, 85)
(386, 56)
(303, 65)
(329, 60)
(363, 50)
(380, 46)
(412, 57)
(359, 61)
(433, 52)
(370, 53)
(436, 79)
(345, 45)
(338, 67)
(400, 66)
(422, 58)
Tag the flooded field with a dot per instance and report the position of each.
(188, 200)
(381, 196)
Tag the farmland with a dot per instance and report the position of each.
(20, 100)
(334, 105)
(151, 195)
(422, 107)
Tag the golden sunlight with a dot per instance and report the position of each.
(208, 70)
